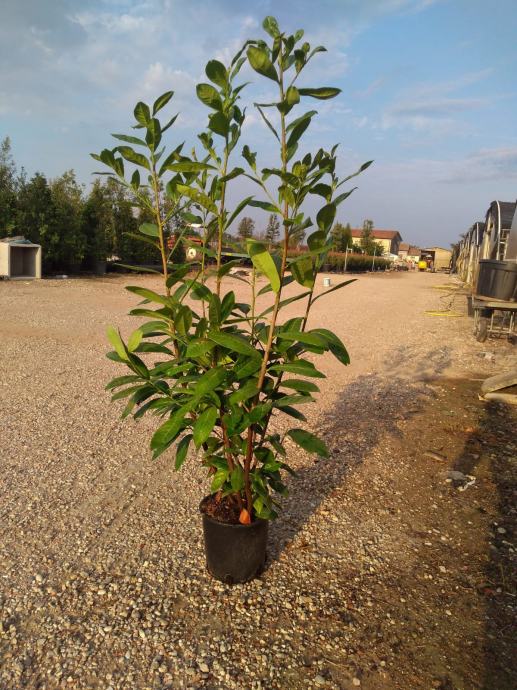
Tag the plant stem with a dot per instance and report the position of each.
(220, 220)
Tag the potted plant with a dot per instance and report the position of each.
(225, 367)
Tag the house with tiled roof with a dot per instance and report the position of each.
(390, 239)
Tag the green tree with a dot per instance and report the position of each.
(7, 189)
(368, 244)
(97, 224)
(341, 237)
(272, 231)
(35, 212)
(69, 243)
(246, 228)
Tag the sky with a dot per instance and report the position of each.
(429, 92)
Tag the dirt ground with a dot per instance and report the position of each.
(382, 574)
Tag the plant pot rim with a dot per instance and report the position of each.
(257, 521)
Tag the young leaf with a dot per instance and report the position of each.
(168, 431)
(116, 341)
(134, 340)
(259, 60)
(204, 425)
(303, 271)
(129, 140)
(217, 73)
(209, 96)
(142, 113)
(263, 261)
(162, 101)
(325, 217)
(270, 25)
(308, 442)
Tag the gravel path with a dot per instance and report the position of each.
(103, 582)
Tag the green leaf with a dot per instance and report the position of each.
(237, 479)
(199, 348)
(154, 134)
(334, 344)
(335, 287)
(300, 119)
(325, 217)
(265, 205)
(219, 124)
(181, 451)
(183, 319)
(218, 480)
(198, 197)
(134, 340)
(303, 271)
(302, 337)
(162, 101)
(209, 96)
(292, 96)
(142, 113)
(133, 157)
(129, 140)
(168, 431)
(300, 385)
(116, 341)
(259, 60)
(235, 343)
(322, 93)
(270, 26)
(149, 229)
(121, 381)
(188, 167)
(309, 442)
(299, 366)
(263, 261)
(204, 425)
(217, 73)
(245, 392)
(208, 382)
(268, 123)
(148, 294)
(297, 132)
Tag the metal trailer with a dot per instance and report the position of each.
(493, 317)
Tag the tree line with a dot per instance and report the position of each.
(77, 229)
(341, 236)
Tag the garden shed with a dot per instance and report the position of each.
(19, 258)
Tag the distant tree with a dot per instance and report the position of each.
(36, 215)
(368, 244)
(246, 228)
(97, 224)
(272, 231)
(7, 189)
(69, 248)
(341, 237)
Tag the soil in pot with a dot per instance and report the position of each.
(235, 553)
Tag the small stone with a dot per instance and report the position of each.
(442, 569)
(203, 667)
(501, 530)
(356, 682)
(319, 680)
(447, 612)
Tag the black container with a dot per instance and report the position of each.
(234, 553)
(497, 279)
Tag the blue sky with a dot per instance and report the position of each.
(429, 92)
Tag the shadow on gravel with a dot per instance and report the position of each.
(403, 361)
(495, 440)
(368, 409)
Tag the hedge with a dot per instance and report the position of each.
(335, 262)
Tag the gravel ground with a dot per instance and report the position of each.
(381, 574)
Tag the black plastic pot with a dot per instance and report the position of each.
(234, 553)
(497, 279)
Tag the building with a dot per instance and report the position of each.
(437, 258)
(19, 258)
(408, 253)
(389, 239)
(498, 222)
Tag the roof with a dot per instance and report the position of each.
(505, 211)
(433, 249)
(18, 239)
(378, 234)
(404, 247)
(414, 250)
